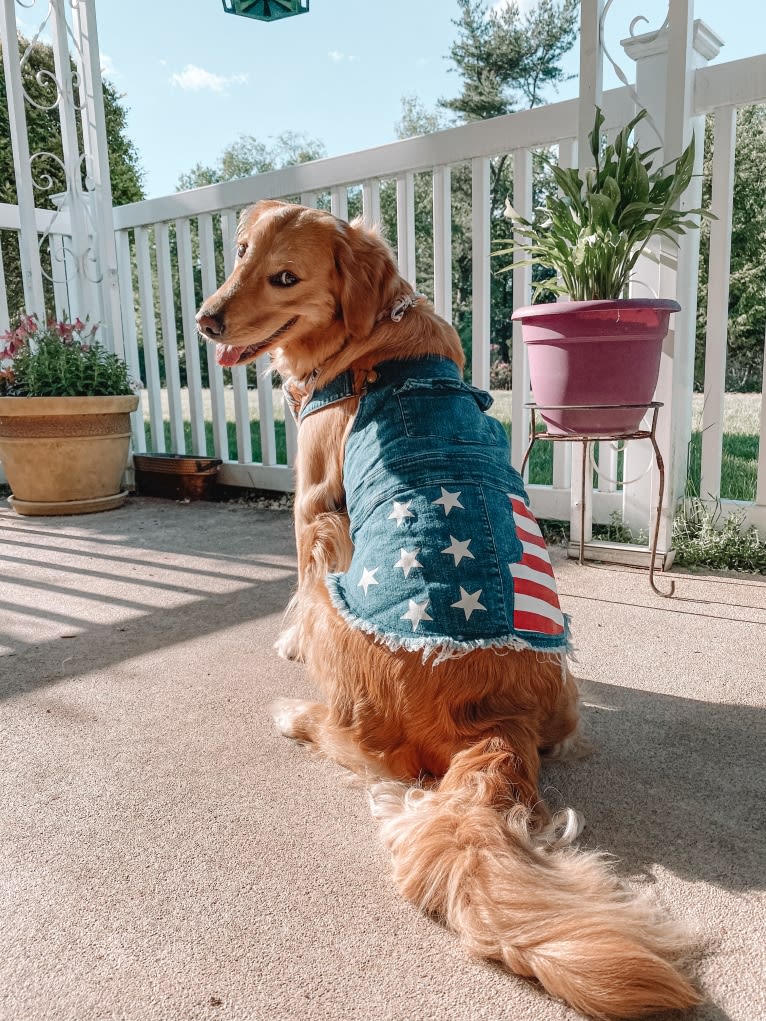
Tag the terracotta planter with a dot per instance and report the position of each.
(176, 476)
(595, 353)
(65, 455)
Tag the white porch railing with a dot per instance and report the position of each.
(143, 228)
(166, 252)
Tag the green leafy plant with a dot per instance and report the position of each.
(59, 359)
(703, 537)
(592, 232)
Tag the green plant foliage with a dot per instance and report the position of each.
(248, 156)
(702, 537)
(592, 231)
(60, 359)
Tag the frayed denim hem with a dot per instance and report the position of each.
(443, 648)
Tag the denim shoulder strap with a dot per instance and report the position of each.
(339, 389)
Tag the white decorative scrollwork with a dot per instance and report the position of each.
(44, 182)
(67, 247)
(616, 67)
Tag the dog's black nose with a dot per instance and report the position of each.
(211, 325)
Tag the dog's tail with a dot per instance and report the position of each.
(468, 854)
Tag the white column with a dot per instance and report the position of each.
(591, 75)
(665, 64)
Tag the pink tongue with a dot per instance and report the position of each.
(226, 354)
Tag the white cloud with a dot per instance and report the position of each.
(108, 70)
(195, 79)
(336, 56)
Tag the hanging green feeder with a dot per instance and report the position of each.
(266, 10)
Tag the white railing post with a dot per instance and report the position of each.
(405, 226)
(522, 294)
(442, 212)
(666, 61)
(480, 299)
(724, 135)
(371, 203)
(591, 75)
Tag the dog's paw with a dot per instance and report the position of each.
(286, 711)
(288, 644)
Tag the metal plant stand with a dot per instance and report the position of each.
(586, 439)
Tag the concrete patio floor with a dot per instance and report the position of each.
(167, 856)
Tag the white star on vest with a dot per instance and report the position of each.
(408, 560)
(416, 613)
(468, 602)
(368, 578)
(400, 512)
(449, 500)
(459, 549)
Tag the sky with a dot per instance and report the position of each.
(194, 78)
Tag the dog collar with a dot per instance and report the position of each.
(302, 397)
(400, 306)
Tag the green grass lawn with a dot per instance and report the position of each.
(740, 443)
(738, 467)
(231, 433)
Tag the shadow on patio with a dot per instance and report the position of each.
(169, 856)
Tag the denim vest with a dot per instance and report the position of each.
(447, 555)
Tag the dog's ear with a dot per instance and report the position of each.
(369, 278)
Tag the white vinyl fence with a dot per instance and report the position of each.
(166, 260)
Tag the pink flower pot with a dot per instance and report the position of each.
(595, 353)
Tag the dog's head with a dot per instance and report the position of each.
(304, 284)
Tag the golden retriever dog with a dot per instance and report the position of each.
(444, 709)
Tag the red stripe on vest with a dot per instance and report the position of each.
(535, 622)
(534, 563)
(531, 588)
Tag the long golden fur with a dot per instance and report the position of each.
(454, 748)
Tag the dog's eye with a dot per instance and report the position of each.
(241, 249)
(284, 279)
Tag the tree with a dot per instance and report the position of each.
(504, 59)
(507, 60)
(44, 135)
(248, 156)
(245, 157)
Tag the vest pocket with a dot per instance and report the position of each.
(444, 408)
